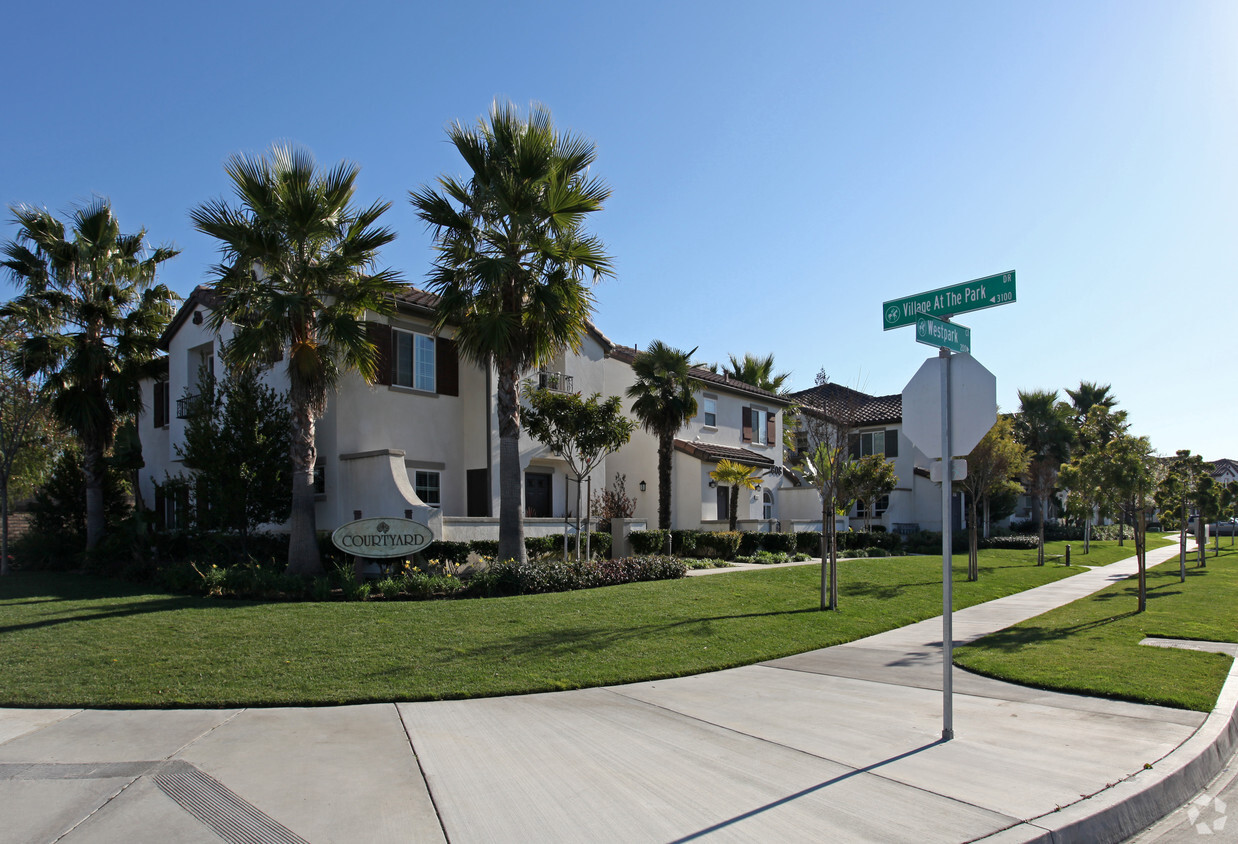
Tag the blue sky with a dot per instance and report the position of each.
(777, 173)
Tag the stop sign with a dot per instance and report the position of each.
(973, 405)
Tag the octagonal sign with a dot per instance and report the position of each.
(973, 405)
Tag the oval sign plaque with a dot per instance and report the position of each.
(382, 537)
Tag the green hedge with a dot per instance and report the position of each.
(539, 576)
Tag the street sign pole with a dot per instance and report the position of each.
(947, 543)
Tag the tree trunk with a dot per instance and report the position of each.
(734, 508)
(303, 556)
(511, 492)
(4, 528)
(1040, 533)
(1141, 544)
(1182, 544)
(666, 444)
(578, 519)
(987, 520)
(94, 470)
(973, 542)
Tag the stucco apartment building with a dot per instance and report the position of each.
(423, 442)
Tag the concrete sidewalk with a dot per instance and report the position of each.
(841, 743)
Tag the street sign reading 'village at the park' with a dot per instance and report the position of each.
(382, 538)
(932, 331)
(987, 292)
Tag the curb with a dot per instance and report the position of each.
(1133, 804)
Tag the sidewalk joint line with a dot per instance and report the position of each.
(438, 814)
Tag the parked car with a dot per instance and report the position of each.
(1225, 527)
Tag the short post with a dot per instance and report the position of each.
(1067, 555)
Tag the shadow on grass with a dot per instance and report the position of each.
(567, 641)
(116, 611)
(1016, 638)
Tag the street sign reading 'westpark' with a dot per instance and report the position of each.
(987, 292)
(932, 331)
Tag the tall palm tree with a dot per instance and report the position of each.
(297, 276)
(514, 265)
(737, 476)
(1043, 427)
(93, 315)
(757, 371)
(663, 401)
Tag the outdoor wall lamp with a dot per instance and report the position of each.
(713, 484)
(642, 486)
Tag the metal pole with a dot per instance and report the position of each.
(947, 542)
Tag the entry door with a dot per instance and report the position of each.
(536, 495)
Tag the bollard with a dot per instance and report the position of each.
(1067, 555)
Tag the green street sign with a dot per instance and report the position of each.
(948, 335)
(988, 292)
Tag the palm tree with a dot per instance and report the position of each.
(92, 314)
(663, 401)
(297, 276)
(1043, 427)
(737, 476)
(757, 371)
(514, 264)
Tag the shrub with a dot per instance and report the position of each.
(723, 544)
(808, 542)
(648, 541)
(485, 547)
(750, 541)
(780, 542)
(763, 558)
(683, 543)
(534, 577)
(444, 549)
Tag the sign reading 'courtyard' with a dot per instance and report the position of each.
(382, 537)
(981, 293)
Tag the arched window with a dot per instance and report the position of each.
(767, 512)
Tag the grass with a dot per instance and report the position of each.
(1092, 646)
(72, 640)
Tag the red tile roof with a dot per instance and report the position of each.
(837, 401)
(627, 354)
(713, 453)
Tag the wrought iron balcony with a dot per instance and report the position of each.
(188, 406)
(556, 382)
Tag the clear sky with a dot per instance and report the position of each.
(778, 170)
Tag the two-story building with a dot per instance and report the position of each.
(423, 441)
(873, 425)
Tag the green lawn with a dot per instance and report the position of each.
(1092, 645)
(71, 640)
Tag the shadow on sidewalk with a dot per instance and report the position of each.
(804, 793)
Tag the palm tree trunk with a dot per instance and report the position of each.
(93, 468)
(666, 444)
(734, 506)
(303, 556)
(511, 492)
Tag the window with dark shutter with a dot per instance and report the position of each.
(747, 424)
(891, 442)
(380, 336)
(447, 366)
(161, 403)
(771, 432)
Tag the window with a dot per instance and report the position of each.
(874, 442)
(162, 404)
(414, 360)
(758, 426)
(711, 411)
(426, 485)
(883, 504)
(759, 421)
(767, 505)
